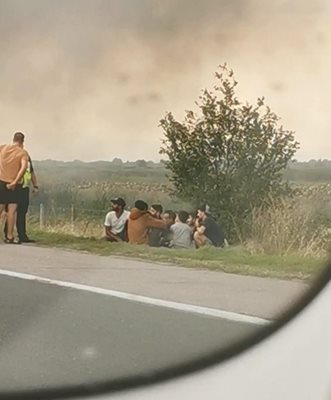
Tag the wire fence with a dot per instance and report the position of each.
(75, 220)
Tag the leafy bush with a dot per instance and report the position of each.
(231, 156)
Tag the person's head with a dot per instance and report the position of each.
(169, 217)
(191, 218)
(156, 210)
(118, 203)
(203, 212)
(18, 138)
(141, 205)
(183, 216)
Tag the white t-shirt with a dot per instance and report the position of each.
(116, 224)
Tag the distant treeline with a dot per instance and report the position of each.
(91, 185)
(313, 171)
(79, 172)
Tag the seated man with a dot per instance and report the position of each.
(182, 232)
(154, 236)
(208, 232)
(116, 221)
(140, 222)
(169, 218)
(191, 221)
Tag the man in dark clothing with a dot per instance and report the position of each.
(169, 218)
(23, 206)
(23, 203)
(154, 236)
(208, 232)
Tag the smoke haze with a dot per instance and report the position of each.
(90, 80)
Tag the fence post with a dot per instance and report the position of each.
(41, 216)
(72, 217)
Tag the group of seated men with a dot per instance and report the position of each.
(152, 226)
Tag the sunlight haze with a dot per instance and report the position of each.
(90, 80)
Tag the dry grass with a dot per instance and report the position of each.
(293, 225)
(288, 226)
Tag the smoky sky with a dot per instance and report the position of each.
(90, 80)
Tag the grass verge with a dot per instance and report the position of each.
(235, 260)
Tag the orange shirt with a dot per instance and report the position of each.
(138, 224)
(11, 157)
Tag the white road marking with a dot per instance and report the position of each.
(213, 312)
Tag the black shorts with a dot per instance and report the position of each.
(8, 196)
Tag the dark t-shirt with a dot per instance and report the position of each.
(213, 231)
(154, 237)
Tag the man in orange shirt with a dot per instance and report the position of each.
(139, 223)
(13, 164)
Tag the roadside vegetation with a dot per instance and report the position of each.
(230, 154)
(234, 259)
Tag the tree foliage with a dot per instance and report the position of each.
(228, 154)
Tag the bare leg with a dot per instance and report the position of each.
(200, 239)
(2, 208)
(11, 220)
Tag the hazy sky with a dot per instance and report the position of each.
(90, 80)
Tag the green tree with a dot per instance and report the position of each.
(228, 154)
(141, 163)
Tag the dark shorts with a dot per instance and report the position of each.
(9, 196)
(122, 235)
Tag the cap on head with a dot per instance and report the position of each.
(204, 208)
(141, 205)
(119, 201)
(18, 137)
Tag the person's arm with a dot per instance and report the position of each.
(155, 223)
(110, 235)
(108, 226)
(24, 164)
(33, 176)
(34, 182)
(201, 229)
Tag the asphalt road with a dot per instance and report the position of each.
(260, 297)
(52, 336)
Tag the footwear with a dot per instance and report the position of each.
(27, 240)
(12, 241)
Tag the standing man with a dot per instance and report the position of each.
(24, 201)
(13, 164)
(23, 204)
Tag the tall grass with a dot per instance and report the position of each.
(300, 224)
(286, 226)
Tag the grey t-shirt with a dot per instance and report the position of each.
(182, 235)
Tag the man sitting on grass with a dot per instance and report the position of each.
(169, 219)
(182, 233)
(208, 232)
(140, 222)
(154, 236)
(116, 222)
